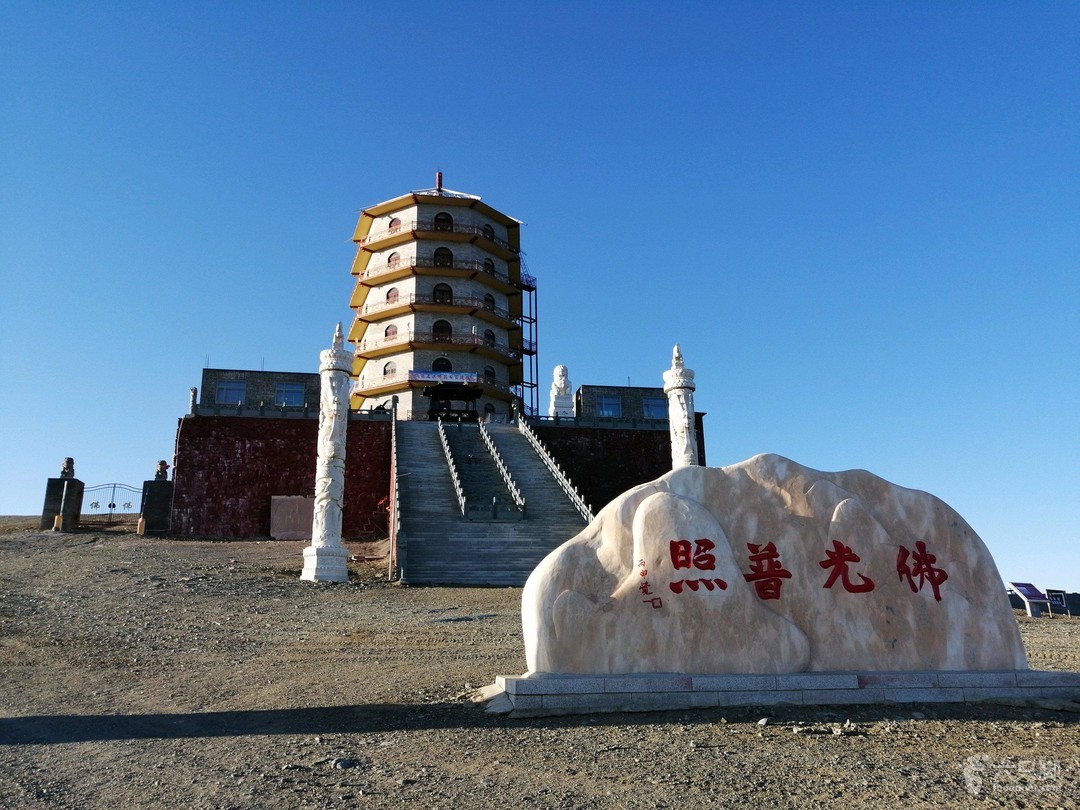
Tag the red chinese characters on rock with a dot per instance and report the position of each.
(838, 560)
(685, 554)
(646, 588)
(921, 565)
(766, 571)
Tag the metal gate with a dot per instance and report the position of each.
(111, 505)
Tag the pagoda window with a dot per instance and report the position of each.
(442, 364)
(444, 257)
(489, 337)
(393, 260)
(444, 222)
(489, 232)
(443, 294)
(489, 301)
(390, 369)
(442, 331)
(391, 332)
(392, 295)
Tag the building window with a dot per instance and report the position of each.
(489, 373)
(390, 332)
(443, 294)
(442, 364)
(489, 267)
(442, 331)
(394, 226)
(390, 369)
(391, 295)
(444, 222)
(489, 409)
(231, 392)
(489, 232)
(489, 337)
(608, 405)
(489, 301)
(654, 408)
(393, 260)
(289, 394)
(443, 257)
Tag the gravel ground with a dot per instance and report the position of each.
(160, 673)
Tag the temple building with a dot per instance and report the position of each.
(471, 483)
(445, 313)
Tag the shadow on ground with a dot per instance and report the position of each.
(60, 729)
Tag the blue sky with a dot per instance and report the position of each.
(860, 220)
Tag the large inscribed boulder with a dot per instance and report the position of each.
(770, 567)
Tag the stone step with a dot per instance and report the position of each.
(438, 546)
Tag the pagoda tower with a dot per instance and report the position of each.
(445, 313)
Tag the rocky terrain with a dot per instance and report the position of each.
(160, 673)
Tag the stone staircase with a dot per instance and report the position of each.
(437, 546)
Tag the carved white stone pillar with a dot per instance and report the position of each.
(679, 387)
(325, 559)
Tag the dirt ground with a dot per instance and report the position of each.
(161, 673)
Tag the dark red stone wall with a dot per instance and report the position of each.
(226, 468)
(605, 462)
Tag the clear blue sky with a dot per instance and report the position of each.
(860, 220)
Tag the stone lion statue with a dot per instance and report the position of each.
(560, 385)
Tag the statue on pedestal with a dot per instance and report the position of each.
(162, 472)
(679, 387)
(561, 402)
(67, 468)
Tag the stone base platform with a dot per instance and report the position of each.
(542, 694)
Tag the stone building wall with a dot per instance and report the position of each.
(605, 462)
(259, 386)
(226, 469)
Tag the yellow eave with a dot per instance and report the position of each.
(407, 200)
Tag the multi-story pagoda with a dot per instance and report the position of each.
(445, 314)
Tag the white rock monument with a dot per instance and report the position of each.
(561, 402)
(325, 560)
(770, 567)
(679, 387)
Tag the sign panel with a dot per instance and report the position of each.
(1028, 591)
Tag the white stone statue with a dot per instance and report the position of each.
(679, 387)
(325, 559)
(561, 402)
(192, 393)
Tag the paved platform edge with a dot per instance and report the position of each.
(541, 694)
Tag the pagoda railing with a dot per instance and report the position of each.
(457, 301)
(410, 336)
(430, 225)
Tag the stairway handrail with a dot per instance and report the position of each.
(515, 492)
(567, 486)
(453, 469)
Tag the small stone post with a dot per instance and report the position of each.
(325, 559)
(679, 387)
